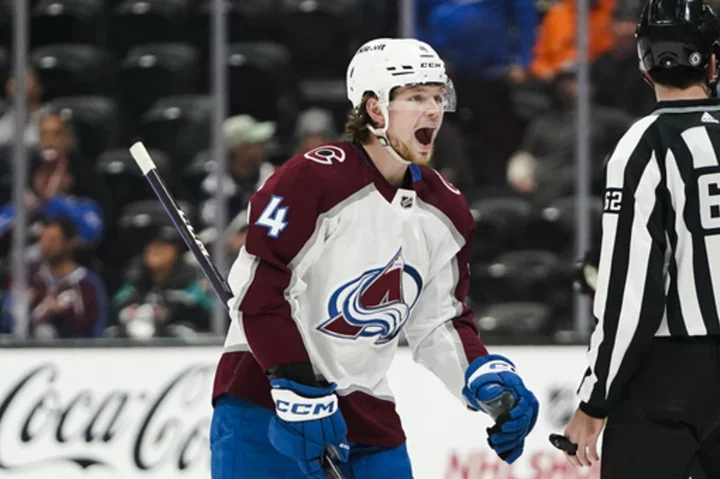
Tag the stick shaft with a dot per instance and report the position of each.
(183, 226)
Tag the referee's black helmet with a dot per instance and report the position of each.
(676, 33)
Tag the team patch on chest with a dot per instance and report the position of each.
(375, 304)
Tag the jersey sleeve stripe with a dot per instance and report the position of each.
(641, 267)
(701, 151)
(689, 306)
(631, 155)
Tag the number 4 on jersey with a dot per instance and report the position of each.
(273, 217)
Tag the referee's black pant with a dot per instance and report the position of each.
(667, 426)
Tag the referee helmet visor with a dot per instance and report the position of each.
(674, 33)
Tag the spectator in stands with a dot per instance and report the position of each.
(49, 196)
(162, 296)
(491, 39)
(314, 127)
(247, 141)
(619, 66)
(544, 166)
(34, 106)
(67, 300)
(556, 46)
(7, 130)
(58, 140)
(488, 47)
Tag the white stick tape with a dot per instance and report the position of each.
(142, 157)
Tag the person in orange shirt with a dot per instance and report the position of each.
(556, 44)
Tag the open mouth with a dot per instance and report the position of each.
(424, 135)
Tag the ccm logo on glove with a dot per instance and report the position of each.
(292, 407)
(494, 366)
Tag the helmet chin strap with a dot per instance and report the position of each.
(381, 134)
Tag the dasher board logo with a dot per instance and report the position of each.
(49, 424)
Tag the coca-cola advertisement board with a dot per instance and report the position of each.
(105, 413)
(128, 413)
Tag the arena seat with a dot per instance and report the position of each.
(72, 69)
(524, 275)
(152, 71)
(553, 228)
(261, 82)
(66, 21)
(125, 181)
(178, 126)
(329, 94)
(137, 22)
(247, 21)
(501, 224)
(335, 26)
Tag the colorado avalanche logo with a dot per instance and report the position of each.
(377, 303)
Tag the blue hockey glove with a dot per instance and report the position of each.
(486, 380)
(307, 421)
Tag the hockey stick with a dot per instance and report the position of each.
(197, 248)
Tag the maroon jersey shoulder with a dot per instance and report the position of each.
(284, 211)
(329, 174)
(447, 198)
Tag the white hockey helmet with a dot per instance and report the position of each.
(383, 64)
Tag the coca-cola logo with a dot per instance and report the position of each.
(43, 422)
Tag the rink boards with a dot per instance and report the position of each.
(121, 413)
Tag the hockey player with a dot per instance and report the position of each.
(347, 245)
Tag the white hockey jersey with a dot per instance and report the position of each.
(336, 263)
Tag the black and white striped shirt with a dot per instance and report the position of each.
(659, 272)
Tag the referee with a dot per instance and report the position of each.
(654, 356)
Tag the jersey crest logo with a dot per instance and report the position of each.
(375, 304)
(326, 155)
(447, 184)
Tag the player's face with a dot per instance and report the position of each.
(416, 114)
